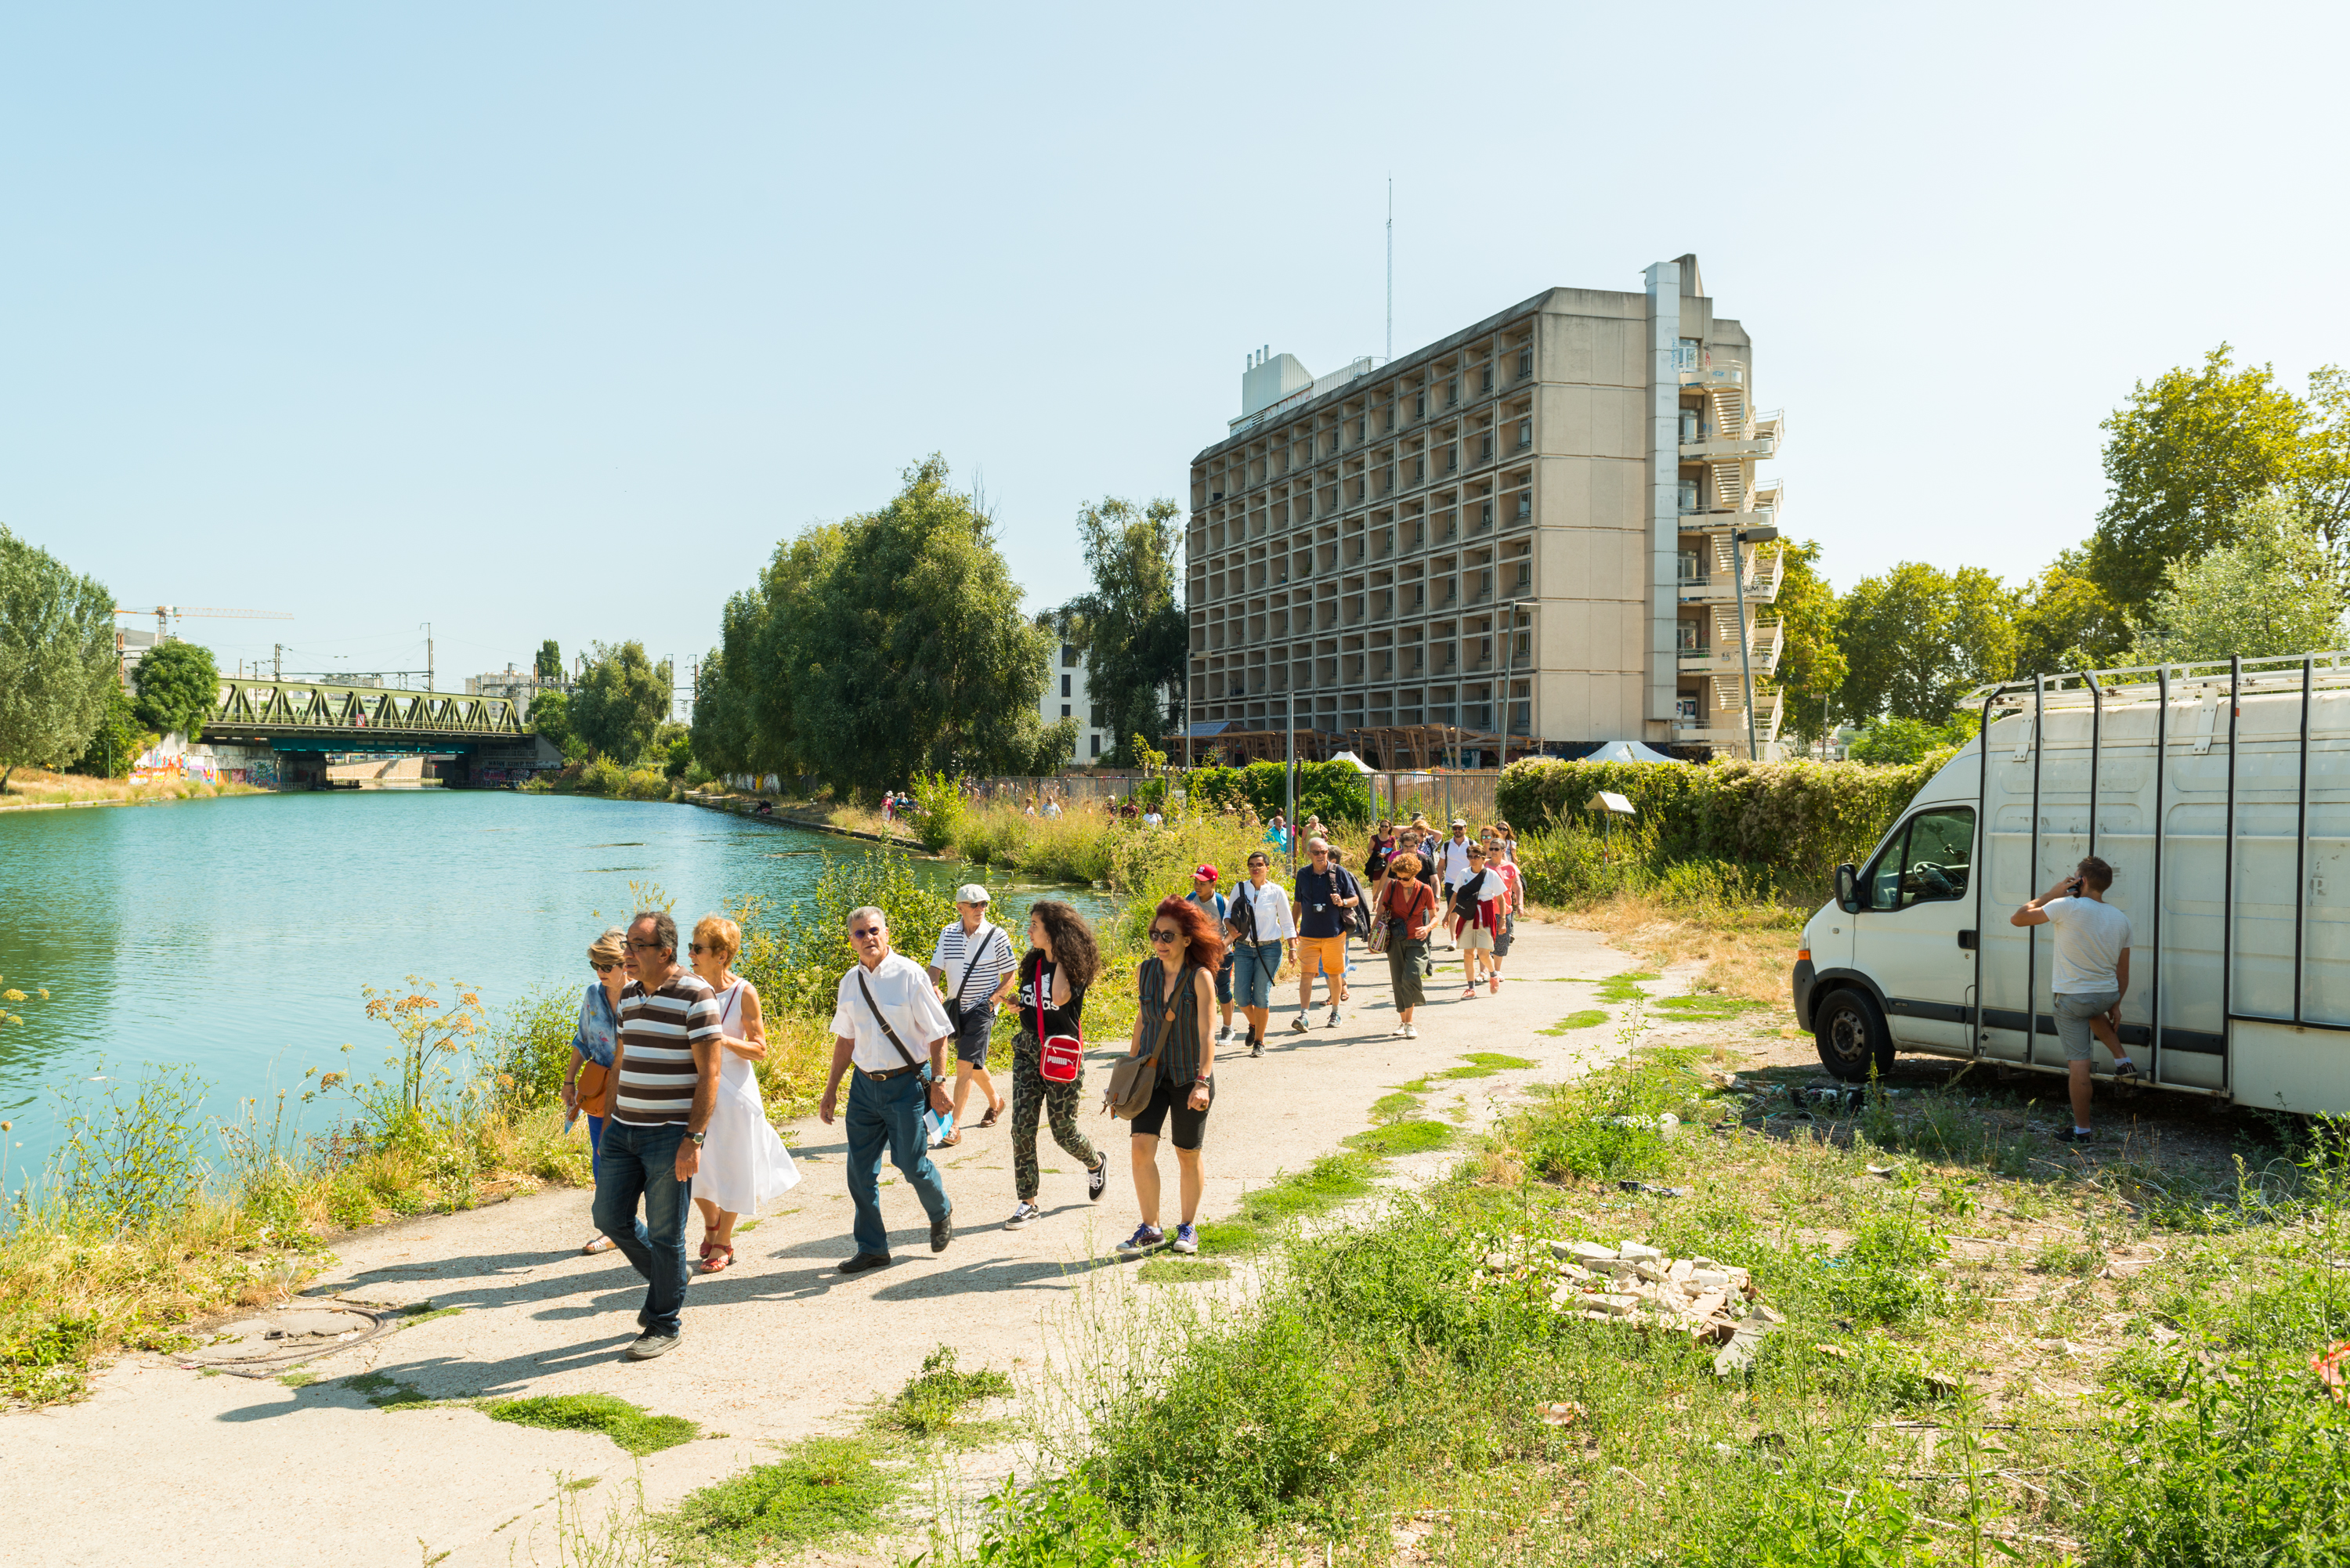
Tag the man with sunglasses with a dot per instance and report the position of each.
(664, 1088)
(886, 1013)
(1326, 894)
(1258, 916)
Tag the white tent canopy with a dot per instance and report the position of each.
(1355, 762)
(1626, 751)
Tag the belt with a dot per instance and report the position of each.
(885, 1077)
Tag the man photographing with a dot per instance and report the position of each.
(2092, 974)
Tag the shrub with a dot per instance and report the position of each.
(696, 775)
(530, 1046)
(603, 776)
(939, 811)
(1335, 792)
(796, 956)
(647, 783)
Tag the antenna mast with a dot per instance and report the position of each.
(1390, 266)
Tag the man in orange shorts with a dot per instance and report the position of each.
(1325, 898)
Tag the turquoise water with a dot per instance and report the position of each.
(234, 935)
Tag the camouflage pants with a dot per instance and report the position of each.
(1030, 1090)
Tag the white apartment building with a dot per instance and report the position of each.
(1534, 525)
(1065, 698)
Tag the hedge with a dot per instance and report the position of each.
(1800, 820)
(1335, 792)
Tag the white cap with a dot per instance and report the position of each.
(971, 893)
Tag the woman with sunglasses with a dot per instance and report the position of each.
(743, 1163)
(591, 1047)
(1060, 966)
(1185, 950)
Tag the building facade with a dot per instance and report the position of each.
(1541, 527)
(1065, 698)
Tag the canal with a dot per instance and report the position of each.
(234, 935)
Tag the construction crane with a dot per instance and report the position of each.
(165, 614)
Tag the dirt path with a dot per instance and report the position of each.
(163, 1464)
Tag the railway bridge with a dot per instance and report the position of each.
(302, 721)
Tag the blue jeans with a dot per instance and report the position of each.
(644, 1164)
(1254, 967)
(594, 1147)
(889, 1113)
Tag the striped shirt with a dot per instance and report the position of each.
(986, 954)
(658, 1034)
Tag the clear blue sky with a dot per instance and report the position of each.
(544, 320)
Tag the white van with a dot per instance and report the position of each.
(2227, 857)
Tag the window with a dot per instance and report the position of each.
(1096, 745)
(1525, 434)
(1419, 406)
(1525, 361)
(1065, 686)
(1068, 655)
(1064, 710)
(1689, 495)
(1926, 861)
(1095, 719)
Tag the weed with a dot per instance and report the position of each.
(1394, 1107)
(1704, 1006)
(386, 1393)
(823, 1489)
(1181, 1270)
(425, 1311)
(1625, 987)
(1329, 1181)
(301, 1377)
(1400, 1139)
(1061, 1523)
(627, 1425)
(934, 1400)
(1589, 1018)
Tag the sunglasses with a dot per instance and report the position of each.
(711, 948)
(605, 967)
(861, 933)
(1166, 936)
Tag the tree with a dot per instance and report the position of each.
(910, 654)
(56, 658)
(720, 733)
(2065, 621)
(2183, 457)
(2274, 591)
(768, 647)
(549, 666)
(2321, 480)
(1916, 637)
(620, 699)
(550, 715)
(1811, 665)
(1897, 742)
(1130, 627)
(119, 739)
(179, 687)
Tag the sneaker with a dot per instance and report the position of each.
(1097, 1178)
(1331, 1022)
(942, 1232)
(1187, 1240)
(1224, 1034)
(1411, 1030)
(1257, 1046)
(2125, 1071)
(648, 1345)
(1146, 1238)
(1298, 1025)
(1021, 1215)
(2075, 1135)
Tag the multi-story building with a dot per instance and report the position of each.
(1065, 698)
(1544, 523)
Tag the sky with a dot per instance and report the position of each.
(551, 321)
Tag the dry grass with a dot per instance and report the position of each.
(1748, 951)
(36, 786)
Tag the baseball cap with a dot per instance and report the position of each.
(971, 893)
(1206, 873)
(1459, 822)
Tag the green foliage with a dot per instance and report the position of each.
(1893, 743)
(178, 688)
(119, 739)
(1729, 830)
(550, 715)
(797, 956)
(721, 738)
(934, 1399)
(1586, 1018)
(1915, 637)
(1811, 1522)
(626, 1424)
(939, 811)
(530, 1046)
(647, 783)
(603, 776)
(1400, 1139)
(56, 658)
(1335, 792)
(2065, 621)
(1063, 1523)
(1129, 628)
(911, 655)
(1887, 1275)
(548, 664)
(2269, 590)
(822, 1489)
(1329, 1181)
(1811, 667)
(2183, 457)
(620, 701)
(129, 1160)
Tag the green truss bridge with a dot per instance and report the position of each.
(296, 717)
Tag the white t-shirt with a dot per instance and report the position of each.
(1452, 861)
(2091, 937)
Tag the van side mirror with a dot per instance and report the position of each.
(1848, 889)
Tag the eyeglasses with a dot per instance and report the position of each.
(1166, 936)
(603, 968)
(638, 947)
(712, 949)
(861, 933)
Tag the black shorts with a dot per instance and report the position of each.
(973, 1026)
(1167, 1100)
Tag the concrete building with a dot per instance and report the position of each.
(1530, 526)
(1065, 698)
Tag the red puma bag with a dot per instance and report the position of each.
(1064, 1055)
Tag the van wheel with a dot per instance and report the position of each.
(1852, 1036)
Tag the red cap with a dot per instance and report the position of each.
(1204, 873)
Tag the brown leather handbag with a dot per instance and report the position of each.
(595, 1088)
(1132, 1079)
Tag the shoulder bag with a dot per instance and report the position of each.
(595, 1082)
(1132, 1078)
(970, 967)
(1063, 1056)
(941, 1122)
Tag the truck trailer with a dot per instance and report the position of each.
(2219, 791)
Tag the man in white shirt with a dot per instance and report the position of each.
(1453, 860)
(1259, 921)
(885, 1016)
(974, 964)
(2092, 973)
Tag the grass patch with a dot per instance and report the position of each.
(386, 1393)
(425, 1311)
(627, 1425)
(1181, 1270)
(1333, 1179)
(934, 1400)
(1484, 1065)
(1401, 1137)
(1711, 1006)
(1589, 1018)
(301, 1377)
(1625, 987)
(822, 1490)
(1416, 1086)
(1398, 1106)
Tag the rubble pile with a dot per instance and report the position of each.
(1640, 1286)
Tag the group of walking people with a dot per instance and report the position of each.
(663, 1068)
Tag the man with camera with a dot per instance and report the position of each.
(2092, 973)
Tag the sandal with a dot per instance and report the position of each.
(714, 1265)
(989, 1119)
(600, 1244)
(1469, 994)
(1494, 985)
(951, 1140)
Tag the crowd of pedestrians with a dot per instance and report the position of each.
(663, 1061)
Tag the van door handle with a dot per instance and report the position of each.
(1967, 940)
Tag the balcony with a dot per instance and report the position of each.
(1697, 369)
(1725, 449)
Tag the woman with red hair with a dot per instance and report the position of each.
(1179, 1002)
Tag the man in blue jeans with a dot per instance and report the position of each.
(1258, 920)
(664, 1087)
(886, 1020)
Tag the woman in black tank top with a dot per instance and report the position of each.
(1061, 963)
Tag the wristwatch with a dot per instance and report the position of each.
(697, 1138)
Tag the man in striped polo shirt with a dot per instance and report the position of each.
(664, 1085)
(974, 965)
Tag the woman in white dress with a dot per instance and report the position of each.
(743, 1163)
